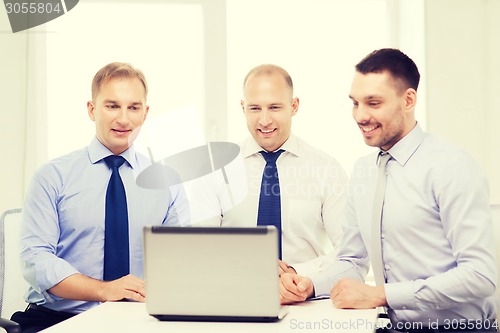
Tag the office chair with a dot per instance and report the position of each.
(12, 283)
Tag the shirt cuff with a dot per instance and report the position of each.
(401, 295)
(52, 272)
(321, 283)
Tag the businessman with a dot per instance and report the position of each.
(292, 185)
(428, 235)
(83, 214)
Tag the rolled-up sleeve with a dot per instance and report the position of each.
(40, 233)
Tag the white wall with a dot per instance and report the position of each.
(13, 106)
(463, 78)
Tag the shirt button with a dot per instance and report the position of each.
(387, 267)
(382, 236)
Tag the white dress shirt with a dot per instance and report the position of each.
(313, 195)
(437, 243)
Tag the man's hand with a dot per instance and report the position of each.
(351, 294)
(129, 287)
(284, 268)
(295, 288)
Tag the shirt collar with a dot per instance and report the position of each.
(404, 148)
(98, 151)
(251, 147)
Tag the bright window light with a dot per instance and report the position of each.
(165, 41)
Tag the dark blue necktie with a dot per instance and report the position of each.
(269, 201)
(116, 241)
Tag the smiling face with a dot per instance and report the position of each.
(268, 106)
(119, 109)
(382, 109)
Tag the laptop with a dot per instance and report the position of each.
(212, 273)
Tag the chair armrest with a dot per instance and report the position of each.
(10, 326)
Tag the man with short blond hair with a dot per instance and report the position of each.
(64, 237)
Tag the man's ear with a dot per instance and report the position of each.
(90, 110)
(242, 103)
(295, 105)
(410, 99)
(146, 112)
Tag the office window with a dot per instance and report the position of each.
(318, 42)
(196, 53)
(164, 40)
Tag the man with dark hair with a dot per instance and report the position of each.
(418, 210)
(84, 214)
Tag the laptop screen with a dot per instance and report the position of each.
(211, 273)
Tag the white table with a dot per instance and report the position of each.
(313, 316)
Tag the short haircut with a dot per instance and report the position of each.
(268, 69)
(399, 65)
(117, 70)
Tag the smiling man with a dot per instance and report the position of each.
(300, 189)
(428, 235)
(71, 256)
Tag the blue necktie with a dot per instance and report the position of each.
(270, 201)
(116, 241)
